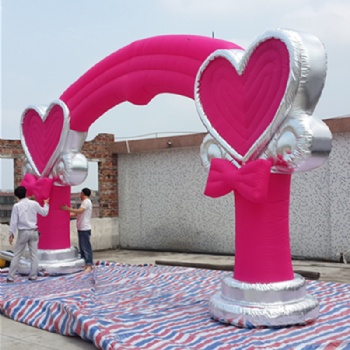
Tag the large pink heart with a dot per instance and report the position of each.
(242, 101)
(43, 134)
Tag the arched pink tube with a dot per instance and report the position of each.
(136, 73)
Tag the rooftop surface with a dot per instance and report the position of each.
(18, 336)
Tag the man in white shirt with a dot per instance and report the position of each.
(83, 214)
(24, 220)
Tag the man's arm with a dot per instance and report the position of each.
(44, 210)
(72, 210)
(13, 224)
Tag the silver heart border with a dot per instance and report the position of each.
(43, 112)
(303, 140)
(239, 59)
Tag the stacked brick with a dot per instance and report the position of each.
(99, 150)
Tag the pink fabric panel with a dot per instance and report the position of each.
(262, 235)
(41, 137)
(55, 227)
(137, 73)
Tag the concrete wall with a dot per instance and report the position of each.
(105, 234)
(162, 206)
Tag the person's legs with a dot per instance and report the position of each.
(85, 247)
(81, 243)
(22, 240)
(33, 252)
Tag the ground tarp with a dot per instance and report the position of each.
(120, 306)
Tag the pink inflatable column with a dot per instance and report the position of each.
(55, 227)
(262, 235)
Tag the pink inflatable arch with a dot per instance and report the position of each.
(242, 102)
(137, 73)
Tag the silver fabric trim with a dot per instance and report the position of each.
(296, 140)
(263, 305)
(51, 262)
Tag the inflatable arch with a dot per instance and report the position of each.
(257, 105)
(52, 138)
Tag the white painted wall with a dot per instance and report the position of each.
(162, 205)
(105, 234)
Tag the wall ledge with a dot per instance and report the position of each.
(159, 143)
(336, 125)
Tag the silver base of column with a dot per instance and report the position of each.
(253, 305)
(51, 261)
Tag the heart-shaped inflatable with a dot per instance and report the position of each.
(241, 99)
(43, 134)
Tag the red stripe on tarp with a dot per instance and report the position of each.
(140, 306)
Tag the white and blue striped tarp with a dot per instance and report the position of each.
(120, 306)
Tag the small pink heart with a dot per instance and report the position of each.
(43, 134)
(242, 101)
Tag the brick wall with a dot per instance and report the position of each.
(99, 149)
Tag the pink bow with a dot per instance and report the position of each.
(251, 180)
(40, 188)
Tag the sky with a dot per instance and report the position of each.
(46, 45)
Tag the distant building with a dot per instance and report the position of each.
(7, 201)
